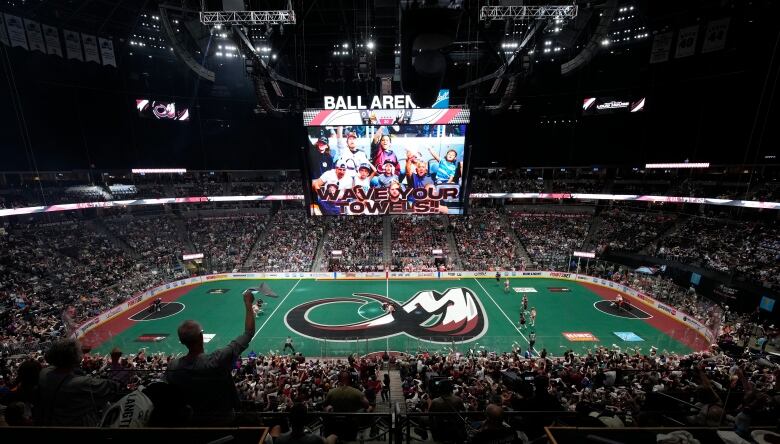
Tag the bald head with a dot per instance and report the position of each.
(345, 378)
(494, 413)
(190, 334)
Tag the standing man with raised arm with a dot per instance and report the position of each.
(349, 151)
(205, 380)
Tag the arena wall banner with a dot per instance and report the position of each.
(556, 196)
(630, 292)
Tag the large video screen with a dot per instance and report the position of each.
(380, 169)
(155, 109)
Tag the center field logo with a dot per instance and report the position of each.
(455, 315)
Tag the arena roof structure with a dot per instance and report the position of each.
(528, 68)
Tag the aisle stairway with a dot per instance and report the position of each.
(387, 240)
(99, 226)
(521, 251)
(396, 392)
(320, 262)
(591, 238)
(455, 262)
(651, 248)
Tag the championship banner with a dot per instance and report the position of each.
(715, 36)
(107, 51)
(3, 32)
(662, 44)
(34, 35)
(16, 31)
(686, 42)
(73, 45)
(90, 48)
(52, 36)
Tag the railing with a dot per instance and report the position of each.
(355, 427)
(400, 426)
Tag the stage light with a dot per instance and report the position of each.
(370, 45)
(605, 42)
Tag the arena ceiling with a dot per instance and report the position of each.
(716, 105)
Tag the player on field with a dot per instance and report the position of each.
(531, 340)
(522, 320)
(506, 285)
(498, 277)
(533, 317)
(388, 308)
(288, 343)
(156, 305)
(525, 302)
(257, 308)
(619, 301)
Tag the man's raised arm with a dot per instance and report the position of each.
(249, 315)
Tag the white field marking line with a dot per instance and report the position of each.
(504, 313)
(148, 313)
(649, 316)
(274, 311)
(183, 307)
(629, 312)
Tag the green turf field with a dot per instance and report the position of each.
(218, 306)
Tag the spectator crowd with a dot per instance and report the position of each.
(484, 243)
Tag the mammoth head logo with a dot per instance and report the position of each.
(454, 315)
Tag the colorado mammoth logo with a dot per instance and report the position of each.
(430, 315)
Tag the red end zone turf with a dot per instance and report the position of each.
(121, 322)
(660, 320)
